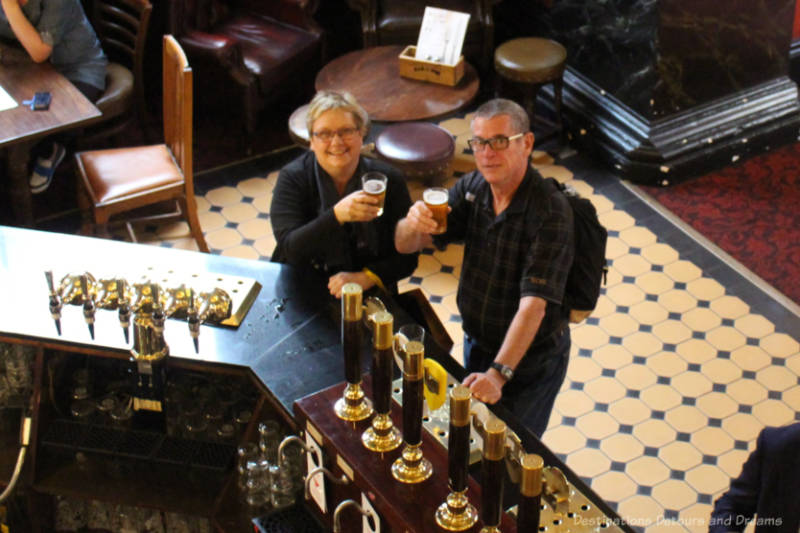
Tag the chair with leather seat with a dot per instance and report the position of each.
(121, 27)
(121, 180)
(247, 53)
(391, 22)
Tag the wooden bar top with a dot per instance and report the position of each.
(289, 339)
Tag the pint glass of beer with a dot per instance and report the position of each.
(374, 184)
(436, 200)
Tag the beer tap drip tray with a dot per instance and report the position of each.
(242, 290)
(219, 299)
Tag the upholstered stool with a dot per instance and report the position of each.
(420, 149)
(298, 129)
(533, 62)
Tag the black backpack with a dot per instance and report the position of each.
(589, 268)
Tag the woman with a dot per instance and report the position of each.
(321, 217)
(59, 31)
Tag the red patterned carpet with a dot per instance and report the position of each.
(751, 211)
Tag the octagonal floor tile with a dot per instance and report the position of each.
(654, 433)
(686, 418)
(674, 494)
(680, 455)
(712, 441)
(647, 471)
(588, 462)
(597, 425)
(622, 447)
(780, 345)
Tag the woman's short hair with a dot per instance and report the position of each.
(327, 100)
(500, 106)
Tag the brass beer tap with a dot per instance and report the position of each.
(88, 304)
(193, 320)
(124, 309)
(55, 303)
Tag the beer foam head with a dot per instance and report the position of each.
(435, 196)
(374, 186)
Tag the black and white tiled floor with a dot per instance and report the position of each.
(682, 363)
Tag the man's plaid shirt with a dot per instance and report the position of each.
(525, 251)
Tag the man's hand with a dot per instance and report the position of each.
(486, 386)
(420, 218)
(337, 281)
(357, 206)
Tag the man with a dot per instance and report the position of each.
(519, 244)
(768, 486)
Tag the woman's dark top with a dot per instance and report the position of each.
(307, 232)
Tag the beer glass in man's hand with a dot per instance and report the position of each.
(435, 199)
(374, 184)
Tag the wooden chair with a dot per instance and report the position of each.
(121, 180)
(121, 26)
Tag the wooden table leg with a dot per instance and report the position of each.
(17, 167)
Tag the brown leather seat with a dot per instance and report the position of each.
(420, 149)
(533, 62)
(398, 22)
(117, 181)
(246, 53)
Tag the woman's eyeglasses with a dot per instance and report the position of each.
(498, 142)
(345, 134)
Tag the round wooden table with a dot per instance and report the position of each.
(372, 76)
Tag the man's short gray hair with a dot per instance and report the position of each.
(501, 106)
(327, 100)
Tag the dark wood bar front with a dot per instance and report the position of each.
(285, 355)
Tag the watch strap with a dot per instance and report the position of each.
(506, 371)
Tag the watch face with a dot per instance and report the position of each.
(507, 372)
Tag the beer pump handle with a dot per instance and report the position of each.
(494, 451)
(530, 492)
(458, 439)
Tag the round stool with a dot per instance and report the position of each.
(298, 129)
(420, 149)
(533, 62)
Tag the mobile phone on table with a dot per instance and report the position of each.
(41, 101)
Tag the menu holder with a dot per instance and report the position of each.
(432, 71)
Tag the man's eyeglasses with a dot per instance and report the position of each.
(345, 134)
(498, 142)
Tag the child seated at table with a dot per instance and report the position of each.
(57, 30)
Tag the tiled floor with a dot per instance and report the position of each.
(682, 363)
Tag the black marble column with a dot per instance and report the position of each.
(668, 89)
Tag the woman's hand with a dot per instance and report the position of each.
(356, 207)
(337, 281)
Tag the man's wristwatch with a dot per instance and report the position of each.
(506, 371)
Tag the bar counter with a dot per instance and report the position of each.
(289, 339)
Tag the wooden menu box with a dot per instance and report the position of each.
(419, 69)
(401, 507)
